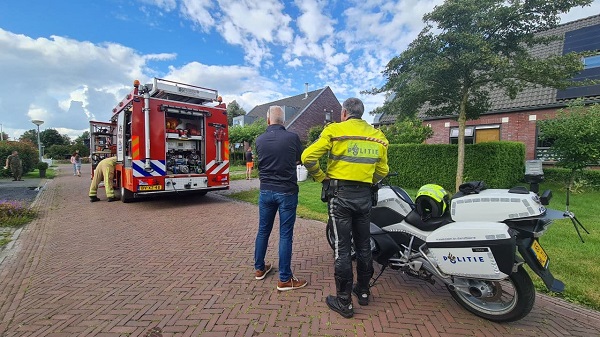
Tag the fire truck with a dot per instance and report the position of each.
(168, 137)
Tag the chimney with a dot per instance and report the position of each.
(306, 90)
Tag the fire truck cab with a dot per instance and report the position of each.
(168, 137)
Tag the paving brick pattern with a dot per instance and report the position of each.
(184, 265)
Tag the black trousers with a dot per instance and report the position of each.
(349, 214)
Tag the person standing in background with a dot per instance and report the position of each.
(16, 166)
(249, 163)
(74, 163)
(77, 164)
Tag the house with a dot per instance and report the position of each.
(516, 120)
(302, 111)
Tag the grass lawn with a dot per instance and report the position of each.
(238, 172)
(50, 174)
(571, 261)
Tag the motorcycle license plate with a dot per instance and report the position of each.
(539, 253)
(150, 188)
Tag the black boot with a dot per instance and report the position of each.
(338, 305)
(94, 199)
(363, 296)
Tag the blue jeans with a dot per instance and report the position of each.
(269, 202)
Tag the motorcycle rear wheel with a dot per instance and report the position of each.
(513, 300)
(331, 240)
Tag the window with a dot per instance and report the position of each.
(591, 62)
(477, 134)
(542, 147)
(469, 135)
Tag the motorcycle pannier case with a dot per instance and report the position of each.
(473, 249)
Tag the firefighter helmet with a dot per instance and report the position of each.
(432, 201)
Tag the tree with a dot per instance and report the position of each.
(29, 136)
(408, 130)
(247, 133)
(51, 137)
(471, 47)
(59, 151)
(575, 133)
(234, 110)
(314, 133)
(83, 139)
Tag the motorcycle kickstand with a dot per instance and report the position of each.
(380, 272)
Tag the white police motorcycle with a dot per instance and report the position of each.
(476, 244)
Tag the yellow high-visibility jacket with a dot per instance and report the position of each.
(357, 152)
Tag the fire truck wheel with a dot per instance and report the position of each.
(126, 195)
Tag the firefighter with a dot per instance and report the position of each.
(104, 171)
(16, 166)
(357, 160)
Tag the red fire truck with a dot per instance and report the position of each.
(168, 137)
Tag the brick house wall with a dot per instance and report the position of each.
(514, 126)
(315, 114)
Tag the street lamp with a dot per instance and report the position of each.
(38, 123)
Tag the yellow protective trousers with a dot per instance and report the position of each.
(104, 171)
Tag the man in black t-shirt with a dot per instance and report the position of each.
(249, 163)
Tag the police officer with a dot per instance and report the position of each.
(16, 166)
(104, 171)
(357, 160)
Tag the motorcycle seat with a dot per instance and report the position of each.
(427, 225)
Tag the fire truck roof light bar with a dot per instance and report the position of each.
(183, 111)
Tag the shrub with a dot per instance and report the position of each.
(499, 164)
(15, 213)
(28, 153)
(42, 166)
(586, 177)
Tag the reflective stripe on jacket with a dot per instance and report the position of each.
(357, 152)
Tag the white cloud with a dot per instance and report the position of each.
(312, 22)
(67, 82)
(581, 12)
(167, 5)
(199, 12)
(294, 63)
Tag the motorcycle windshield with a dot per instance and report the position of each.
(554, 214)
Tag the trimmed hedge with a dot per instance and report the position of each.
(561, 176)
(498, 164)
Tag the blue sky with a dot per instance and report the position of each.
(68, 62)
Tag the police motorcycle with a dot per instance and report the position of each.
(475, 243)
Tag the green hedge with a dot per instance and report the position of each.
(499, 164)
(561, 176)
(27, 152)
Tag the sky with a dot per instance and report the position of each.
(67, 62)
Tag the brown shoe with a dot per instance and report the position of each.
(261, 274)
(291, 284)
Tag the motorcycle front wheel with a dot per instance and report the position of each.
(511, 300)
(331, 239)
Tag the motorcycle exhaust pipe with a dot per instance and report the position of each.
(475, 292)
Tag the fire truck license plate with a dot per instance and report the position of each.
(150, 188)
(540, 253)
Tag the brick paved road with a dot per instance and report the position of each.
(185, 266)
